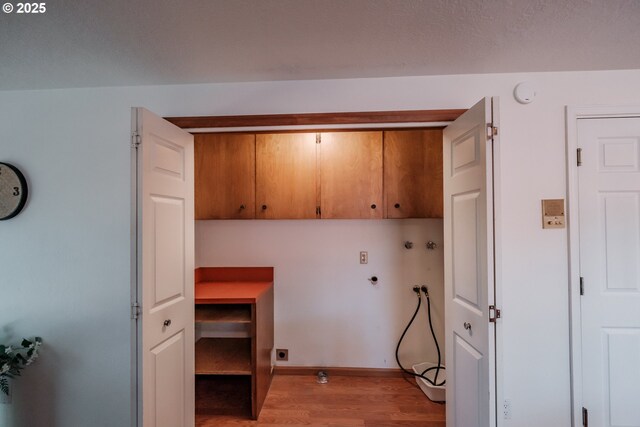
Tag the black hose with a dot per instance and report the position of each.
(437, 368)
(435, 340)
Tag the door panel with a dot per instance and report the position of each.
(225, 176)
(468, 363)
(469, 268)
(169, 381)
(413, 173)
(286, 176)
(609, 216)
(464, 211)
(168, 258)
(165, 264)
(354, 158)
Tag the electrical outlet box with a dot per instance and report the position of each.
(364, 257)
(553, 213)
(506, 407)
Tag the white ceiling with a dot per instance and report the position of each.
(129, 42)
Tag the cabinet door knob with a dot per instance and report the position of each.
(264, 207)
(373, 206)
(167, 323)
(397, 206)
(242, 207)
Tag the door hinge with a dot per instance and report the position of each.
(579, 157)
(318, 138)
(585, 417)
(491, 130)
(135, 310)
(135, 140)
(581, 285)
(494, 313)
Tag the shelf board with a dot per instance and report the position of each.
(223, 313)
(223, 356)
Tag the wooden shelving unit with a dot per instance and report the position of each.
(223, 356)
(233, 300)
(223, 313)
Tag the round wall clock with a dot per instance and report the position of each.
(13, 191)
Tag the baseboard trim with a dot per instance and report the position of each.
(335, 371)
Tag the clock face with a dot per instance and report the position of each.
(13, 191)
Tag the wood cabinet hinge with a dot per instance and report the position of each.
(135, 310)
(579, 157)
(318, 138)
(494, 313)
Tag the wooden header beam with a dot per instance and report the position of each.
(306, 119)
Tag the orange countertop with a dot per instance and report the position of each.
(230, 292)
(231, 285)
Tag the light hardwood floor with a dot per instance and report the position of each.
(297, 400)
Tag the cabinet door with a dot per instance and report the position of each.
(286, 176)
(413, 173)
(224, 176)
(351, 175)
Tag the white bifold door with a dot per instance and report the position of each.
(164, 269)
(609, 212)
(469, 267)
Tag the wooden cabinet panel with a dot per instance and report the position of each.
(413, 173)
(286, 176)
(224, 176)
(351, 175)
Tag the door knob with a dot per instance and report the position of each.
(167, 323)
(467, 326)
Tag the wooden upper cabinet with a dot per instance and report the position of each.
(413, 173)
(286, 176)
(224, 176)
(351, 175)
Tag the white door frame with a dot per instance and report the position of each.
(573, 114)
(496, 380)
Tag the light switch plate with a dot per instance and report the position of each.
(553, 213)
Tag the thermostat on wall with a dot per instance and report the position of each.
(553, 213)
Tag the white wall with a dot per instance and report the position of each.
(327, 313)
(65, 259)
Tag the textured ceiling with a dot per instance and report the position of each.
(125, 42)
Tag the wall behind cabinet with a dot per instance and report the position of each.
(326, 311)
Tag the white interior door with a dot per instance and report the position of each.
(609, 212)
(165, 269)
(469, 268)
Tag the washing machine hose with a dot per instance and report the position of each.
(437, 368)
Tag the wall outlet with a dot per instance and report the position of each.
(506, 409)
(282, 354)
(364, 257)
